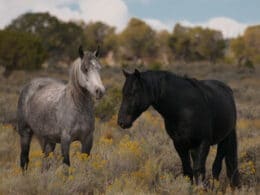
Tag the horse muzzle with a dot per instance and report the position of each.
(124, 124)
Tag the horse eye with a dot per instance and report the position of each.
(86, 68)
(127, 95)
(131, 94)
(95, 63)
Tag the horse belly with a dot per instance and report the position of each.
(43, 121)
(45, 126)
(183, 133)
(83, 127)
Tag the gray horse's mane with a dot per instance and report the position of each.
(74, 72)
(78, 92)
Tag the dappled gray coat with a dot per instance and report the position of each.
(59, 113)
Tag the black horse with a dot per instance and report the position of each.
(197, 114)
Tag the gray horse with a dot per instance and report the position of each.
(59, 113)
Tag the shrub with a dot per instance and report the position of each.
(20, 51)
(60, 39)
(109, 105)
(155, 66)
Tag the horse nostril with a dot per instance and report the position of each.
(119, 123)
(99, 93)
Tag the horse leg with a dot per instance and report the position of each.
(65, 147)
(87, 144)
(194, 155)
(47, 149)
(185, 159)
(217, 164)
(231, 159)
(200, 160)
(25, 140)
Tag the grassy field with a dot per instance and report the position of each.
(141, 160)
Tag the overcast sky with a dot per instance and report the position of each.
(229, 16)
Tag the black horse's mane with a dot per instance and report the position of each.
(154, 76)
(161, 74)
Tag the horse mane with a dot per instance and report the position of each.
(73, 85)
(74, 72)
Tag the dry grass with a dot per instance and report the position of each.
(141, 160)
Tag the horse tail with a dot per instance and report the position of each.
(228, 149)
(231, 159)
(23, 128)
(21, 108)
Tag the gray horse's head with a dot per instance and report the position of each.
(88, 73)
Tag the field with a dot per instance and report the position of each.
(141, 160)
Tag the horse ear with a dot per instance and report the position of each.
(137, 73)
(81, 52)
(96, 53)
(125, 72)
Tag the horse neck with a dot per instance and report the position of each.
(160, 90)
(154, 81)
(80, 96)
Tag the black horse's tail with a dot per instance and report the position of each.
(231, 159)
(228, 149)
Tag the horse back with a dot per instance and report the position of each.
(33, 87)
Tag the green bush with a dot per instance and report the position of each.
(138, 39)
(20, 50)
(109, 105)
(102, 34)
(155, 66)
(195, 44)
(60, 39)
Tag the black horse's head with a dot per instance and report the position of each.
(135, 99)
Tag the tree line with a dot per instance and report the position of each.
(34, 38)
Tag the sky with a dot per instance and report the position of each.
(231, 17)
